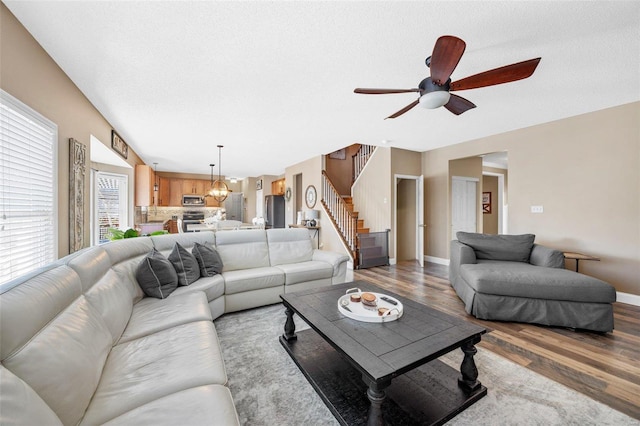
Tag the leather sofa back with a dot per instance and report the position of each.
(243, 249)
(289, 246)
(54, 340)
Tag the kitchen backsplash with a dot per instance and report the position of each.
(161, 214)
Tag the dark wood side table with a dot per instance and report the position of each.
(578, 257)
(316, 234)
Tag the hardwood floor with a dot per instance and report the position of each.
(605, 367)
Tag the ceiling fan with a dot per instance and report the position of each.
(434, 90)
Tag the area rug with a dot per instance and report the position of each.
(269, 389)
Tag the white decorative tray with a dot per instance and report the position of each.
(358, 312)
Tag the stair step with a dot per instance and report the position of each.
(363, 230)
(348, 200)
(360, 223)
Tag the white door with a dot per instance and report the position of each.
(464, 204)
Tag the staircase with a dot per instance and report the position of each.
(365, 249)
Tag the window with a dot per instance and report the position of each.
(28, 189)
(110, 204)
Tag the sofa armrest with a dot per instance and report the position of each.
(337, 260)
(545, 256)
(460, 254)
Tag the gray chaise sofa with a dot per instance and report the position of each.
(509, 278)
(80, 344)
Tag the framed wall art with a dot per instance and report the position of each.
(486, 202)
(77, 171)
(119, 145)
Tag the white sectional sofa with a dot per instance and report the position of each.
(81, 344)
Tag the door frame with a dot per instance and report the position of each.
(502, 223)
(419, 224)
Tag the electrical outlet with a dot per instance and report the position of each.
(537, 209)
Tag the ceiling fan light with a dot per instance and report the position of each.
(434, 99)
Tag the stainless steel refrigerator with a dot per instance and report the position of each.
(274, 211)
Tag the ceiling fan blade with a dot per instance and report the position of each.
(506, 74)
(383, 91)
(458, 104)
(445, 57)
(405, 109)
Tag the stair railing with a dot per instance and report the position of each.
(360, 159)
(343, 220)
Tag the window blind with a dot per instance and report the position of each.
(28, 196)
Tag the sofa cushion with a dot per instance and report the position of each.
(289, 246)
(151, 315)
(20, 405)
(516, 248)
(185, 264)
(159, 364)
(64, 361)
(202, 405)
(156, 275)
(252, 279)
(243, 249)
(535, 282)
(295, 273)
(208, 259)
(213, 287)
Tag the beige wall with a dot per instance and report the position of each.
(311, 171)
(29, 74)
(372, 196)
(584, 171)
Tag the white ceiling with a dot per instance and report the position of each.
(273, 81)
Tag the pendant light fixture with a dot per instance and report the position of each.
(156, 185)
(219, 189)
(210, 193)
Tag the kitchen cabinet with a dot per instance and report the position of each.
(175, 192)
(164, 191)
(277, 187)
(144, 177)
(194, 186)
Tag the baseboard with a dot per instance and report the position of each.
(438, 260)
(629, 299)
(392, 261)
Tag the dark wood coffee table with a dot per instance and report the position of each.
(376, 373)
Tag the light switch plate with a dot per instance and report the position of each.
(537, 209)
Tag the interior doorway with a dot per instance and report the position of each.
(495, 170)
(409, 218)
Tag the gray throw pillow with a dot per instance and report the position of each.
(208, 258)
(516, 248)
(185, 264)
(156, 275)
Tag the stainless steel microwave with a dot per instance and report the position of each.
(192, 200)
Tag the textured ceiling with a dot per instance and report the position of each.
(273, 81)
